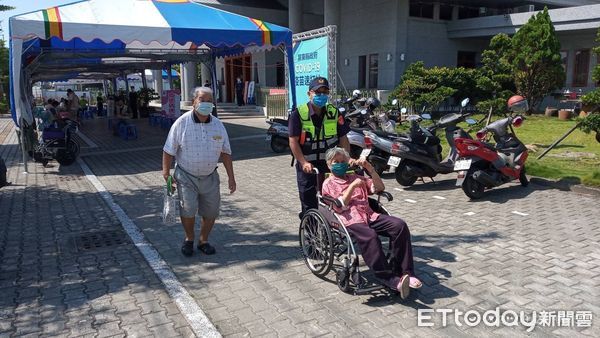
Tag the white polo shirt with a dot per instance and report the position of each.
(197, 146)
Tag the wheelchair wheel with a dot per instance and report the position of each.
(342, 278)
(68, 154)
(317, 243)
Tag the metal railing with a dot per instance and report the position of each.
(277, 106)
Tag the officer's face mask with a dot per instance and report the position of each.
(204, 108)
(320, 99)
(339, 169)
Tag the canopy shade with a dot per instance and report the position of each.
(82, 36)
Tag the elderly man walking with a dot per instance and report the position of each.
(197, 140)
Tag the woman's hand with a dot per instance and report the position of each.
(362, 162)
(357, 183)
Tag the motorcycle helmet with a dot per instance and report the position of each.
(518, 104)
(373, 103)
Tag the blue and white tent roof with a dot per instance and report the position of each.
(87, 27)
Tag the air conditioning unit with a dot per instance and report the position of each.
(524, 9)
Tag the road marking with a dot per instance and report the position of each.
(470, 213)
(399, 189)
(248, 137)
(410, 201)
(87, 140)
(194, 315)
(520, 213)
(439, 197)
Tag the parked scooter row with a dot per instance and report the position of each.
(418, 154)
(480, 165)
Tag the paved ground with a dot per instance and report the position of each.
(521, 249)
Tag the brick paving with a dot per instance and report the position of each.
(50, 284)
(522, 249)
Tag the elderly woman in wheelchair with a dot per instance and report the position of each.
(346, 215)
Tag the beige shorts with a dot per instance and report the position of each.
(198, 194)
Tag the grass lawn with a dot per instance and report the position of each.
(576, 158)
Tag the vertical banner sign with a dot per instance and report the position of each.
(311, 57)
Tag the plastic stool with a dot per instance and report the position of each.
(128, 131)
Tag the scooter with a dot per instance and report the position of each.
(380, 144)
(420, 155)
(482, 165)
(277, 135)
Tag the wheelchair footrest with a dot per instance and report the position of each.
(365, 290)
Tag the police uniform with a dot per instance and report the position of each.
(316, 134)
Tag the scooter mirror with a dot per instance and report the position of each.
(363, 111)
(426, 116)
(356, 93)
(470, 121)
(403, 110)
(395, 102)
(464, 102)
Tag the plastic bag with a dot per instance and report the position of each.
(170, 214)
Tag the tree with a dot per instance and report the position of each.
(3, 66)
(536, 59)
(495, 77)
(430, 87)
(593, 98)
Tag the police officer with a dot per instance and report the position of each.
(315, 127)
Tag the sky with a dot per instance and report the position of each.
(24, 6)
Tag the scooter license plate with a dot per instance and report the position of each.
(462, 165)
(268, 138)
(394, 161)
(365, 153)
(461, 178)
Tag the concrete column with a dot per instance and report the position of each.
(436, 11)
(191, 74)
(455, 12)
(295, 15)
(206, 74)
(158, 81)
(402, 31)
(332, 12)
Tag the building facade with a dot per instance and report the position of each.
(378, 39)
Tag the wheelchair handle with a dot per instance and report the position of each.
(387, 195)
(332, 201)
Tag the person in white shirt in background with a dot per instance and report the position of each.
(197, 140)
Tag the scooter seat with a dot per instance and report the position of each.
(359, 130)
(280, 121)
(382, 133)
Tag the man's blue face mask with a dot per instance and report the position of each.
(339, 169)
(320, 100)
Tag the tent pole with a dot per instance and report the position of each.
(126, 83)
(144, 82)
(23, 149)
(170, 76)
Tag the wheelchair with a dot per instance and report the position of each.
(326, 244)
(57, 143)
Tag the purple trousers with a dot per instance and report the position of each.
(401, 259)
